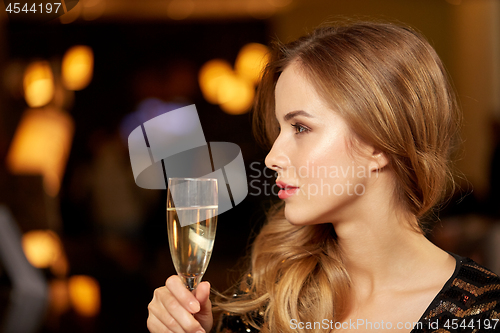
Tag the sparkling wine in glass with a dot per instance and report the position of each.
(192, 205)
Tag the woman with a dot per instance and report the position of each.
(363, 123)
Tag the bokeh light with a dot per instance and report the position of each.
(85, 295)
(41, 247)
(77, 67)
(38, 84)
(41, 145)
(235, 94)
(211, 73)
(251, 60)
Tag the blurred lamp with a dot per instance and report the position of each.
(38, 84)
(251, 61)
(235, 94)
(41, 247)
(84, 295)
(77, 67)
(210, 76)
(41, 145)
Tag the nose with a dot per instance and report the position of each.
(277, 159)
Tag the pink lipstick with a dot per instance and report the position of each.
(286, 190)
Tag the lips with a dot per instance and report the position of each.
(286, 190)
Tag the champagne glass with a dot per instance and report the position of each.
(192, 205)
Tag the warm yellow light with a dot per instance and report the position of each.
(38, 84)
(85, 295)
(77, 67)
(251, 60)
(41, 145)
(210, 76)
(41, 247)
(228, 87)
(235, 94)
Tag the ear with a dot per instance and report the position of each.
(379, 160)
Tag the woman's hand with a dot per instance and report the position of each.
(176, 309)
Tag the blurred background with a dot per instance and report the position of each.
(81, 246)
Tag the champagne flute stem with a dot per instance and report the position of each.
(190, 283)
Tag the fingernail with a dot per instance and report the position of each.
(200, 332)
(194, 306)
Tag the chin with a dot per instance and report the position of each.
(292, 218)
(300, 218)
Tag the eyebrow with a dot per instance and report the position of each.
(294, 114)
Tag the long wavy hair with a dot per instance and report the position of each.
(393, 91)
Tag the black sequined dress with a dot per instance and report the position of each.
(469, 302)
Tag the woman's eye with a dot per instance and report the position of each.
(300, 129)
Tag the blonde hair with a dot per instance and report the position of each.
(391, 88)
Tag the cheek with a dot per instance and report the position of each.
(332, 173)
(329, 154)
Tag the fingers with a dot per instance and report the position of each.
(159, 317)
(202, 294)
(172, 307)
(156, 326)
(176, 314)
(184, 296)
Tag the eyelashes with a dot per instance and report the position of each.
(300, 129)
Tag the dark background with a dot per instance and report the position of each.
(140, 53)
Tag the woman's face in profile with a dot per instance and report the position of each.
(321, 182)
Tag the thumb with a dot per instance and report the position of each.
(204, 316)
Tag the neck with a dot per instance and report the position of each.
(375, 254)
(382, 248)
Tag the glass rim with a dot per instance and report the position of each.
(196, 179)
